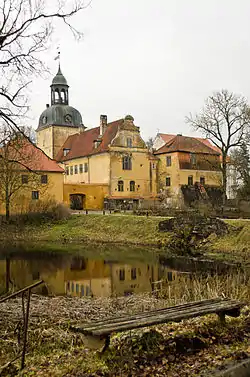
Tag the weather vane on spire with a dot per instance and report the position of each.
(58, 55)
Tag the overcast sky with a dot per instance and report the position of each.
(154, 59)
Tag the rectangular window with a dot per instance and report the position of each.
(122, 274)
(44, 179)
(67, 170)
(35, 195)
(129, 142)
(71, 170)
(168, 181)
(190, 180)
(86, 167)
(133, 273)
(81, 168)
(25, 179)
(127, 163)
(76, 169)
(202, 181)
(168, 161)
(65, 152)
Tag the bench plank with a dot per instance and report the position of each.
(154, 317)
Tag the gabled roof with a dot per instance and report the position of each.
(82, 144)
(30, 157)
(187, 144)
(168, 137)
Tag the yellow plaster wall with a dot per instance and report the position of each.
(172, 171)
(22, 200)
(45, 140)
(180, 176)
(94, 194)
(60, 135)
(140, 173)
(51, 139)
(98, 169)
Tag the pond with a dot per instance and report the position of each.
(87, 273)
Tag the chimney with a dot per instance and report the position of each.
(103, 124)
(47, 105)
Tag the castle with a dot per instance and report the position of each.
(111, 166)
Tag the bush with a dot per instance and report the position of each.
(40, 212)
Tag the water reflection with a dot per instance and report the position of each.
(79, 276)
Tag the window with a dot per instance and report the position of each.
(65, 151)
(67, 170)
(127, 163)
(35, 195)
(132, 185)
(44, 179)
(133, 273)
(190, 180)
(24, 179)
(120, 186)
(168, 161)
(168, 181)
(81, 168)
(71, 170)
(86, 168)
(72, 287)
(192, 158)
(202, 181)
(129, 142)
(76, 169)
(122, 274)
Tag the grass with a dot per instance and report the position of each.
(235, 246)
(134, 230)
(177, 349)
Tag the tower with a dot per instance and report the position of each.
(59, 120)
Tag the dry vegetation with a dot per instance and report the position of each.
(188, 348)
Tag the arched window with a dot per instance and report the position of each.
(132, 185)
(63, 96)
(57, 96)
(190, 180)
(126, 163)
(202, 181)
(120, 186)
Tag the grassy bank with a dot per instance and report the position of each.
(192, 347)
(123, 230)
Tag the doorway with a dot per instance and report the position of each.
(77, 201)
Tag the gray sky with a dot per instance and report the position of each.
(154, 59)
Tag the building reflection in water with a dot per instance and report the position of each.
(84, 277)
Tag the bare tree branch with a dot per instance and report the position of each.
(225, 120)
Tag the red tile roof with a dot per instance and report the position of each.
(187, 144)
(31, 157)
(82, 144)
(168, 137)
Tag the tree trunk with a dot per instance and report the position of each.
(7, 209)
(224, 178)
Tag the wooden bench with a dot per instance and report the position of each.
(105, 328)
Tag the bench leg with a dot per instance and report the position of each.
(222, 317)
(107, 344)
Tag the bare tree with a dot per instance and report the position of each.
(225, 120)
(26, 27)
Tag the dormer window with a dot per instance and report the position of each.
(65, 151)
(129, 142)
